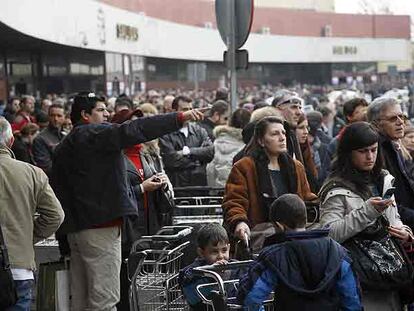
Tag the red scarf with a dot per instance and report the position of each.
(134, 154)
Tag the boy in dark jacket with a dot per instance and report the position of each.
(213, 249)
(307, 270)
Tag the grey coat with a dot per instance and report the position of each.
(346, 214)
(227, 144)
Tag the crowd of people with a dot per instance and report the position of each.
(110, 163)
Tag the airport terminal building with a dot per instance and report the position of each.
(117, 46)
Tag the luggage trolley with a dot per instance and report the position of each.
(195, 207)
(198, 205)
(154, 271)
(221, 293)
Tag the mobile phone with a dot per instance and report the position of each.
(156, 179)
(389, 193)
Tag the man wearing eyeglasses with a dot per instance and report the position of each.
(289, 104)
(89, 178)
(386, 115)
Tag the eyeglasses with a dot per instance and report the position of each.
(295, 103)
(394, 119)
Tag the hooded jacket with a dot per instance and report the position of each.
(226, 145)
(346, 213)
(307, 271)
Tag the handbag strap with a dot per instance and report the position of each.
(3, 249)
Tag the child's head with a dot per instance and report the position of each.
(289, 211)
(213, 243)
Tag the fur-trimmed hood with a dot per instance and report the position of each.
(228, 130)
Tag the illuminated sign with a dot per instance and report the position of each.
(126, 32)
(344, 50)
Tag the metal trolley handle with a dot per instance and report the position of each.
(163, 234)
(212, 271)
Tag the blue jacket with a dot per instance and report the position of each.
(308, 271)
(188, 281)
(89, 175)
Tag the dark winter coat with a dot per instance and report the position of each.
(307, 271)
(89, 172)
(249, 193)
(44, 146)
(187, 170)
(404, 184)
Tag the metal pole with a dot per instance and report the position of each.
(232, 54)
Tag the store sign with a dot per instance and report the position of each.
(126, 32)
(344, 50)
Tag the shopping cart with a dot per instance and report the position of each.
(195, 207)
(153, 272)
(220, 294)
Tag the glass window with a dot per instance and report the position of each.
(18, 69)
(56, 71)
(79, 69)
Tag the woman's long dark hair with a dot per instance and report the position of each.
(259, 132)
(356, 136)
(258, 153)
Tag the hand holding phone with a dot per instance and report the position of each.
(389, 193)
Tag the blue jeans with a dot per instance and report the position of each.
(24, 295)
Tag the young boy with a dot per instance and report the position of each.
(213, 249)
(307, 270)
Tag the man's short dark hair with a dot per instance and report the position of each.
(324, 110)
(222, 94)
(219, 106)
(124, 100)
(59, 106)
(177, 100)
(211, 234)
(240, 118)
(290, 210)
(84, 101)
(351, 105)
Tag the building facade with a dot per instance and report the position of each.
(124, 46)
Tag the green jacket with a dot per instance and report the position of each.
(24, 191)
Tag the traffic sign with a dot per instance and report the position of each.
(243, 18)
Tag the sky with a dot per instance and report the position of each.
(405, 7)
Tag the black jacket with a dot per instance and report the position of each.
(404, 184)
(23, 151)
(44, 146)
(209, 126)
(189, 170)
(89, 173)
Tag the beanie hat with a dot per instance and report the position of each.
(284, 96)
